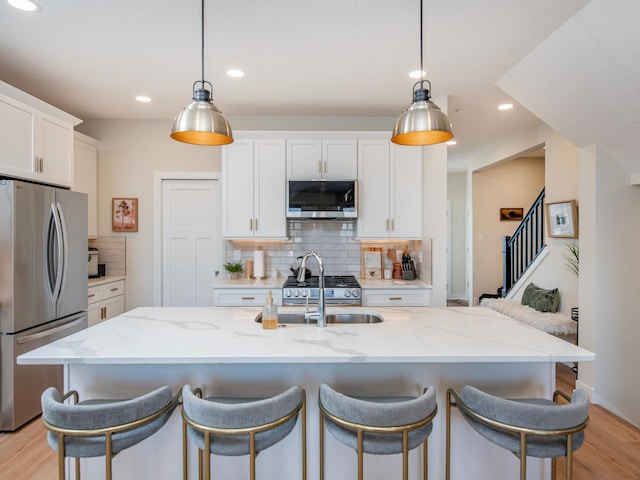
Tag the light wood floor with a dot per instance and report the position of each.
(611, 449)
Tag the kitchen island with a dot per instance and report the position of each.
(226, 351)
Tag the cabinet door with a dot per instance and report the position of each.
(373, 189)
(238, 190)
(406, 192)
(113, 307)
(339, 159)
(94, 314)
(269, 189)
(304, 159)
(17, 154)
(55, 140)
(85, 180)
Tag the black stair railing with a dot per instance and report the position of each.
(521, 249)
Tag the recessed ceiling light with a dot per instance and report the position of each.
(505, 106)
(235, 73)
(452, 142)
(24, 5)
(143, 98)
(417, 74)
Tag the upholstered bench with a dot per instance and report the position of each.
(558, 324)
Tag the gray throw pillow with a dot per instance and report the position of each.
(541, 299)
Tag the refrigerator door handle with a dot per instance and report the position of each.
(65, 250)
(46, 333)
(54, 290)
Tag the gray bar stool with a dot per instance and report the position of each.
(240, 426)
(527, 427)
(378, 425)
(94, 428)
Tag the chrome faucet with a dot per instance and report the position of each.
(320, 313)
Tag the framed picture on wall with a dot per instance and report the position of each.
(124, 214)
(511, 214)
(562, 219)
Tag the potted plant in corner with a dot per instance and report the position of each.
(572, 262)
(234, 269)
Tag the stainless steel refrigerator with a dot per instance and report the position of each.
(43, 287)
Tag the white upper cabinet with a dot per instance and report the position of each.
(328, 159)
(253, 189)
(390, 191)
(85, 176)
(35, 143)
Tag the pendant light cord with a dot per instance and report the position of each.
(421, 54)
(202, 31)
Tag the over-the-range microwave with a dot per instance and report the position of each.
(320, 199)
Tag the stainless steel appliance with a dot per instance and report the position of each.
(43, 287)
(92, 265)
(338, 290)
(322, 199)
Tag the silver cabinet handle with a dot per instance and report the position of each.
(248, 298)
(256, 224)
(395, 298)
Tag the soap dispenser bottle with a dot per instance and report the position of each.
(270, 314)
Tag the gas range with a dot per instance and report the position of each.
(338, 290)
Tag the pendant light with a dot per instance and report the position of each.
(422, 123)
(201, 122)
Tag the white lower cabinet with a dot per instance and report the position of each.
(105, 301)
(245, 297)
(396, 297)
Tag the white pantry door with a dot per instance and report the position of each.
(191, 241)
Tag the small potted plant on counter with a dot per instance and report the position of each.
(234, 269)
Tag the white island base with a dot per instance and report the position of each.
(227, 353)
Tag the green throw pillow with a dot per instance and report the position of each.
(541, 299)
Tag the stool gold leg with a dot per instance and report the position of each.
(185, 474)
(77, 460)
(207, 456)
(523, 456)
(304, 437)
(448, 439)
(360, 456)
(405, 455)
(109, 458)
(321, 417)
(569, 459)
(426, 459)
(553, 469)
(252, 456)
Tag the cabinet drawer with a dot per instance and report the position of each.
(103, 292)
(396, 297)
(232, 297)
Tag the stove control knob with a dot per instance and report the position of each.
(296, 293)
(347, 293)
(355, 293)
(288, 292)
(304, 293)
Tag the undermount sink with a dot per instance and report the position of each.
(346, 318)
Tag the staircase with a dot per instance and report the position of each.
(520, 250)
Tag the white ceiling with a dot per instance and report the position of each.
(301, 57)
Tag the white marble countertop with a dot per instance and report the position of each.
(95, 282)
(173, 335)
(402, 284)
(278, 282)
(248, 283)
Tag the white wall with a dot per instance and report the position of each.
(609, 266)
(130, 151)
(457, 195)
(513, 184)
